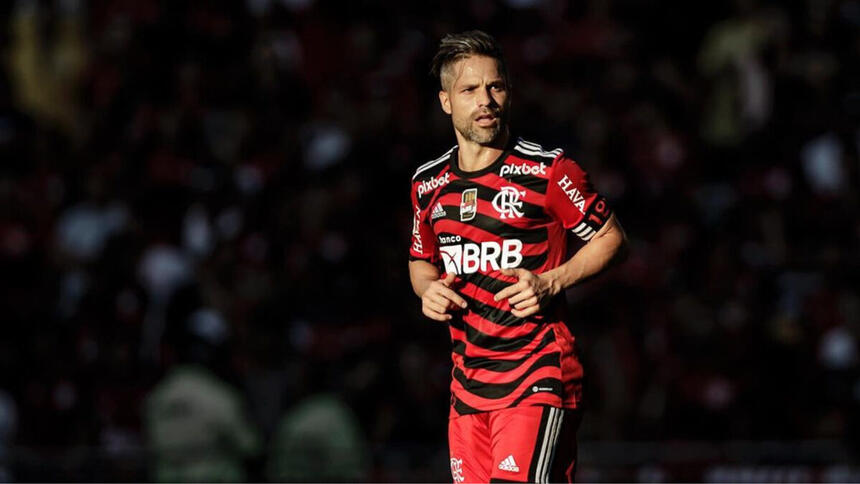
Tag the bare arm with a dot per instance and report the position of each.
(421, 274)
(606, 248)
(437, 297)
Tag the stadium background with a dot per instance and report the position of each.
(230, 180)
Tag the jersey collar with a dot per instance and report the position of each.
(455, 163)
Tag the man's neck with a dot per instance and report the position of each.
(475, 157)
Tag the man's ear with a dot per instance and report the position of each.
(445, 101)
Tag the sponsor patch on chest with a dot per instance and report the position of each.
(468, 204)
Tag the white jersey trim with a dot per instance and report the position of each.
(431, 164)
(533, 149)
(583, 231)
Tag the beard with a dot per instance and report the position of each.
(484, 136)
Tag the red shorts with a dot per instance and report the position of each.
(520, 444)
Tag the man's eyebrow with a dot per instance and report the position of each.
(466, 84)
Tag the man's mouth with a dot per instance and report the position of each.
(486, 119)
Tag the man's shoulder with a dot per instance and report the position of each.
(532, 151)
(432, 168)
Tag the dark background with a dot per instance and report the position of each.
(252, 160)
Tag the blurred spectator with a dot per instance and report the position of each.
(45, 68)
(733, 58)
(318, 440)
(195, 421)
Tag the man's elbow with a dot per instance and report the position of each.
(622, 250)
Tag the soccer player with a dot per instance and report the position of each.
(493, 217)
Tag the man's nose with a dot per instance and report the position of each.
(484, 97)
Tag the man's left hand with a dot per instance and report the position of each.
(528, 294)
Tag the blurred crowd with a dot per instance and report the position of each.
(204, 224)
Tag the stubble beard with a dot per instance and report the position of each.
(488, 136)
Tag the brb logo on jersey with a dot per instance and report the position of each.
(507, 202)
(469, 258)
(523, 169)
(433, 183)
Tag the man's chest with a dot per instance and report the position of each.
(485, 208)
(488, 225)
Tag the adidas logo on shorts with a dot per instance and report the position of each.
(509, 464)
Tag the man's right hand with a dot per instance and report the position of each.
(439, 298)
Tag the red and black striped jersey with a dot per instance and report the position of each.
(517, 212)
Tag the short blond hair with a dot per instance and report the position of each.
(454, 47)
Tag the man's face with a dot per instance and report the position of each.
(476, 97)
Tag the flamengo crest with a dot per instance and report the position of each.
(457, 470)
(507, 202)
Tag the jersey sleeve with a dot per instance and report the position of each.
(423, 244)
(571, 199)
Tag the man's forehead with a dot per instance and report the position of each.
(475, 67)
